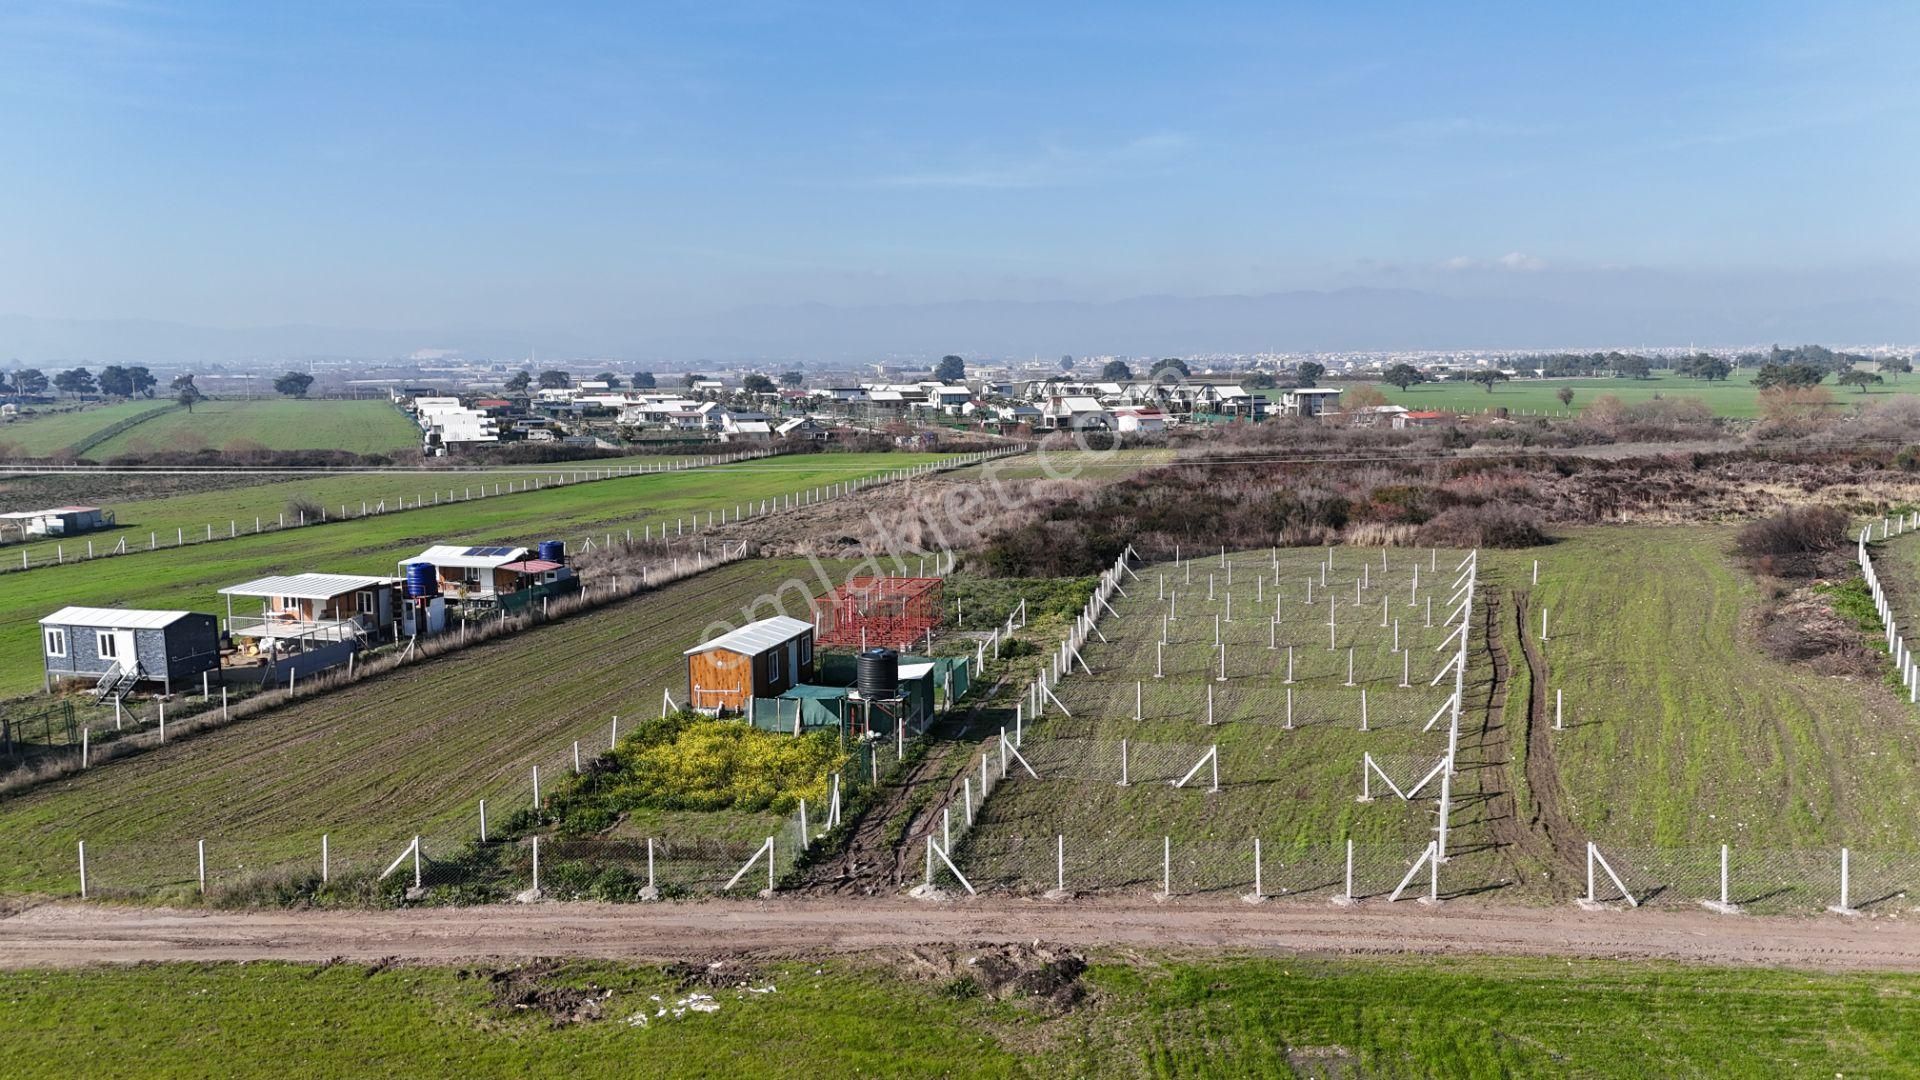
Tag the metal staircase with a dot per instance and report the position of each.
(117, 683)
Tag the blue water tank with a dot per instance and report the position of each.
(554, 551)
(421, 580)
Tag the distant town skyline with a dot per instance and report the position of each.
(676, 180)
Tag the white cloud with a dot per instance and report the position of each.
(1519, 260)
(1052, 166)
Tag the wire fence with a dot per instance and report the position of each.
(82, 548)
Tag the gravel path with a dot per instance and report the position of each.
(69, 934)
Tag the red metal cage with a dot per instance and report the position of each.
(894, 612)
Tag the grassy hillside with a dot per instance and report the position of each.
(1732, 397)
(375, 763)
(363, 427)
(190, 577)
(1148, 1016)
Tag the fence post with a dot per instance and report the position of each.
(1345, 899)
(1845, 906)
(83, 869)
(483, 821)
(203, 866)
(1725, 904)
(325, 858)
(536, 864)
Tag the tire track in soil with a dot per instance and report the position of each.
(1510, 837)
(869, 865)
(1549, 819)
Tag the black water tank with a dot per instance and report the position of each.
(879, 674)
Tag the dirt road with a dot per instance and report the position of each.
(65, 935)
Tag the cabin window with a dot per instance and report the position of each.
(806, 650)
(289, 603)
(363, 602)
(105, 646)
(56, 643)
(773, 666)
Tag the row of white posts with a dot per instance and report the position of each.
(1016, 619)
(1038, 694)
(1596, 864)
(1465, 585)
(680, 527)
(376, 508)
(1903, 658)
(799, 499)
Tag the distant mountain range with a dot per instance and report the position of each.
(1345, 319)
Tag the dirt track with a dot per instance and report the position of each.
(65, 935)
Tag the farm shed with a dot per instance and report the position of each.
(762, 659)
(471, 573)
(58, 521)
(298, 611)
(122, 647)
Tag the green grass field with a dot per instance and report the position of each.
(364, 427)
(377, 762)
(1680, 731)
(1153, 1016)
(190, 577)
(1734, 397)
(1294, 788)
(1681, 735)
(170, 519)
(47, 432)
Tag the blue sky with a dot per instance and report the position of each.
(459, 164)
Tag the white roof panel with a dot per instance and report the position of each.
(306, 586)
(480, 558)
(114, 618)
(756, 637)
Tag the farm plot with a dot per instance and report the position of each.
(1102, 466)
(189, 577)
(1291, 697)
(263, 505)
(1679, 731)
(362, 427)
(378, 762)
(1734, 397)
(46, 432)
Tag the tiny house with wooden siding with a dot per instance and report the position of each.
(762, 659)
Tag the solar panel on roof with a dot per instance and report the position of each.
(489, 552)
